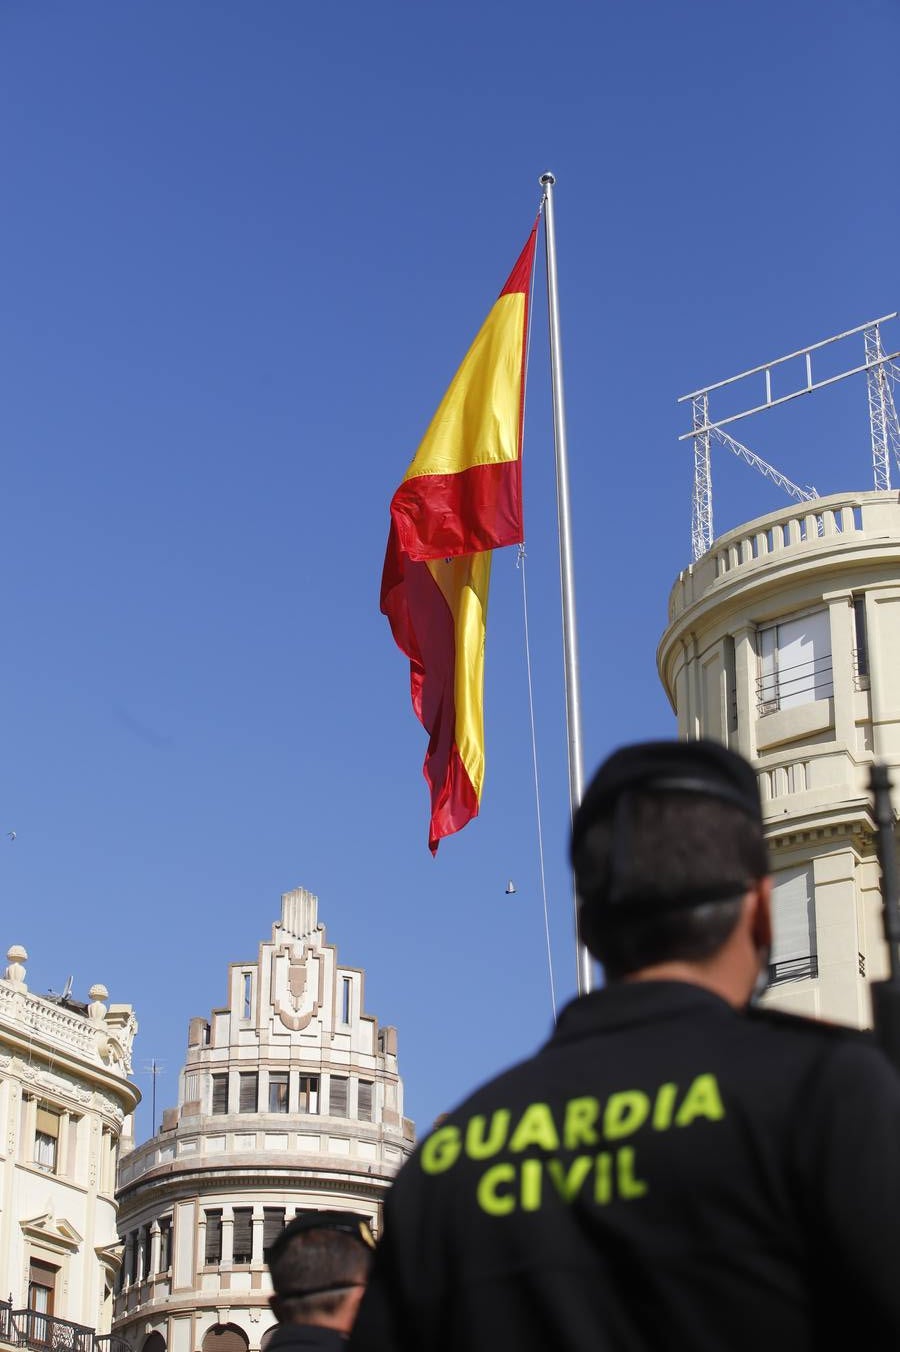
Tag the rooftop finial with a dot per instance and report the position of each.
(15, 972)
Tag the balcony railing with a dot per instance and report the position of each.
(46, 1333)
(793, 969)
(797, 684)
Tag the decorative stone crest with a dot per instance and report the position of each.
(298, 981)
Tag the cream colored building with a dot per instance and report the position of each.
(784, 642)
(290, 1099)
(64, 1101)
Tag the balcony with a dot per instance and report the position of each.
(46, 1333)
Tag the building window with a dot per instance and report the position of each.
(794, 662)
(247, 996)
(273, 1224)
(337, 1103)
(364, 1102)
(243, 1234)
(861, 651)
(220, 1094)
(731, 699)
(145, 1255)
(165, 1243)
(278, 1091)
(345, 999)
(309, 1094)
(793, 955)
(41, 1297)
(212, 1255)
(249, 1091)
(46, 1140)
(133, 1264)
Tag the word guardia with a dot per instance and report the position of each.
(585, 1122)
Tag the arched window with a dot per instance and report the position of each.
(225, 1338)
(154, 1342)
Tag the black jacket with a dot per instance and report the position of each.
(666, 1173)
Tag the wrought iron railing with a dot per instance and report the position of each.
(47, 1333)
(810, 680)
(793, 969)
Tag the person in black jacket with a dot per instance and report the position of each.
(319, 1266)
(674, 1169)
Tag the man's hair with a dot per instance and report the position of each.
(636, 869)
(311, 1261)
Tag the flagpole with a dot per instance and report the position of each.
(584, 966)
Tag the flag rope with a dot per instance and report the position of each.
(520, 565)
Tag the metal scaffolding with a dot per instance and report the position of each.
(881, 374)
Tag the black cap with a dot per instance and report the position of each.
(348, 1222)
(669, 767)
(699, 767)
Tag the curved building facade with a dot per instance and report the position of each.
(65, 1101)
(290, 1099)
(784, 642)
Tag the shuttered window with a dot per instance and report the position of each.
(249, 1084)
(273, 1224)
(337, 1104)
(793, 953)
(795, 662)
(220, 1094)
(365, 1101)
(213, 1250)
(46, 1140)
(243, 1234)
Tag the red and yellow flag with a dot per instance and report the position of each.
(460, 498)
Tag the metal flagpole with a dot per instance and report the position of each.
(584, 967)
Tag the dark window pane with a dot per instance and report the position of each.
(365, 1100)
(248, 1095)
(213, 1252)
(278, 1092)
(220, 1093)
(338, 1100)
(243, 1234)
(273, 1224)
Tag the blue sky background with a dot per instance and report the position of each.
(244, 248)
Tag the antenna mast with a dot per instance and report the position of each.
(881, 372)
(154, 1069)
(880, 376)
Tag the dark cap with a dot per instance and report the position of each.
(702, 768)
(347, 1222)
(669, 767)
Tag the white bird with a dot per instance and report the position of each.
(11, 834)
(511, 888)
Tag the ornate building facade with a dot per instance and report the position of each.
(290, 1099)
(784, 642)
(64, 1100)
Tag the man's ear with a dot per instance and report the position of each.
(761, 919)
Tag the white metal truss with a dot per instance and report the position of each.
(806, 494)
(880, 376)
(701, 512)
(881, 373)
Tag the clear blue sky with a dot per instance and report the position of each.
(245, 246)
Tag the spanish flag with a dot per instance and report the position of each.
(460, 498)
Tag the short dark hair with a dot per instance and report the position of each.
(326, 1263)
(676, 844)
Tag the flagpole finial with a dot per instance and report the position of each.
(547, 180)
